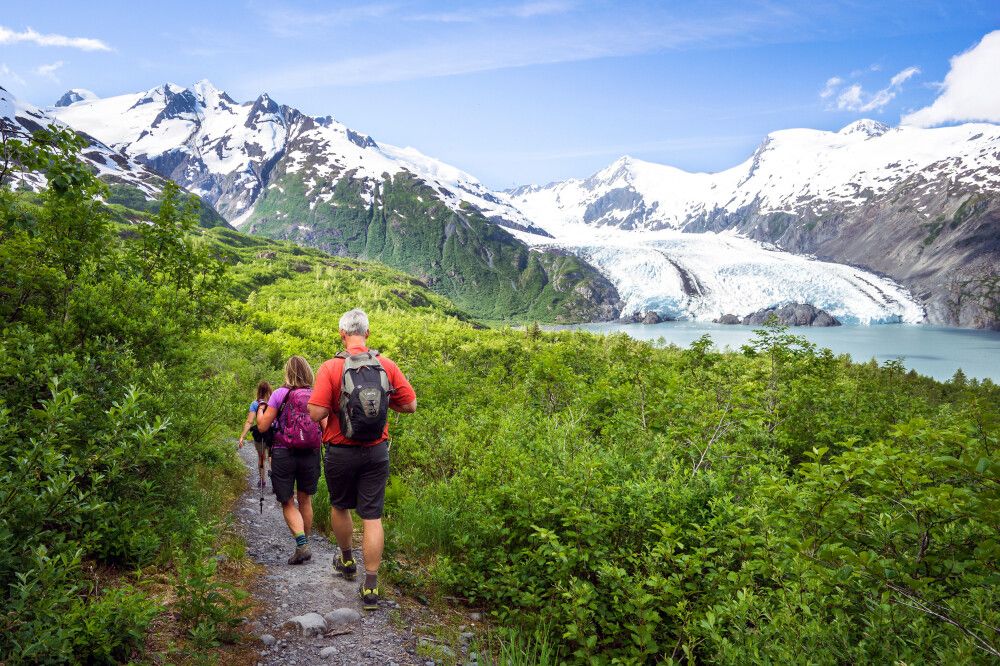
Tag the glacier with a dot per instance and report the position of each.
(705, 275)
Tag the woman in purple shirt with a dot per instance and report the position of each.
(295, 456)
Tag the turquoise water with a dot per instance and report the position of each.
(930, 350)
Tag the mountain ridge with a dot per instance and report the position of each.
(278, 172)
(917, 205)
(130, 183)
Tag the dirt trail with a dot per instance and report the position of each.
(288, 591)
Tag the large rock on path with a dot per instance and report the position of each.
(341, 617)
(310, 624)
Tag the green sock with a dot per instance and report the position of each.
(301, 539)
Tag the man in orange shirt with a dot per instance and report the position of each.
(357, 469)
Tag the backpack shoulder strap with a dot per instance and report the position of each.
(283, 401)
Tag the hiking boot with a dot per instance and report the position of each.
(301, 554)
(348, 569)
(369, 597)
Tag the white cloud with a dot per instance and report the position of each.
(971, 89)
(7, 74)
(30, 36)
(831, 86)
(524, 10)
(49, 71)
(902, 77)
(850, 98)
(291, 22)
(483, 48)
(854, 97)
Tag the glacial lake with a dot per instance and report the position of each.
(930, 350)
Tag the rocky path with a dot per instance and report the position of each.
(312, 616)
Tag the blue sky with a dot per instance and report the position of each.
(525, 91)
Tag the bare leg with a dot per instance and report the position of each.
(292, 516)
(343, 527)
(306, 509)
(372, 544)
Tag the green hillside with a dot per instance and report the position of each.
(459, 254)
(606, 500)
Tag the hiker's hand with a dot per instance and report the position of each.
(241, 443)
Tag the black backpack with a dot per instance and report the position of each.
(364, 396)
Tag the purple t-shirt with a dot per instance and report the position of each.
(277, 397)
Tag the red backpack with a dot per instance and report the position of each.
(296, 430)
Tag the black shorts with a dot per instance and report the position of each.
(356, 478)
(294, 470)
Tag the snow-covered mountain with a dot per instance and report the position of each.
(225, 151)
(110, 165)
(276, 171)
(795, 172)
(918, 205)
(893, 206)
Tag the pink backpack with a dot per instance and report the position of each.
(295, 429)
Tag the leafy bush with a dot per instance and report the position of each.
(632, 504)
(104, 426)
(608, 500)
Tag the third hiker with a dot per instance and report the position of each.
(295, 463)
(354, 391)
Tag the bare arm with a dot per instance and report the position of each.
(408, 408)
(246, 428)
(265, 419)
(318, 413)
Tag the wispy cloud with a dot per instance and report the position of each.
(49, 71)
(480, 48)
(832, 84)
(7, 74)
(523, 10)
(970, 91)
(31, 36)
(291, 22)
(901, 77)
(854, 97)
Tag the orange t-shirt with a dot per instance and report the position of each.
(326, 393)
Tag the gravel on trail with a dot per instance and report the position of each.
(308, 616)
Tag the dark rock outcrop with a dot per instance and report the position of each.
(793, 314)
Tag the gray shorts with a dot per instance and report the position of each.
(294, 470)
(356, 478)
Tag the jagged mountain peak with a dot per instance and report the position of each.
(110, 165)
(867, 126)
(264, 104)
(211, 96)
(230, 152)
(74, 95)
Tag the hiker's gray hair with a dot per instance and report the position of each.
(354, 322)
